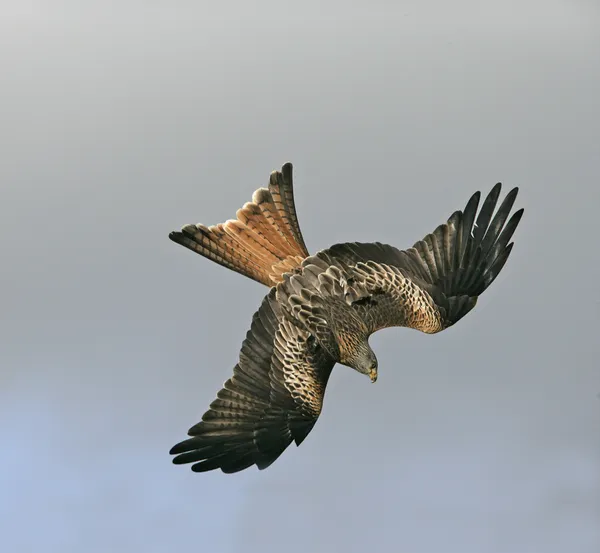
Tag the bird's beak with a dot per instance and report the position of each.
(373, 375)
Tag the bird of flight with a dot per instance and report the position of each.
(321, 309)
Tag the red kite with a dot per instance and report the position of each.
(321, 310)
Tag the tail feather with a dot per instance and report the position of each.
(215, 244)
(281, 186)
(273, 222)
(264, 241)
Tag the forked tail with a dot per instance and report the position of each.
(263, 243)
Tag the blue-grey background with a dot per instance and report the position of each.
(123, 121)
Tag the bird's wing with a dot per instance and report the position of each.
(454, 264)
(274, 398)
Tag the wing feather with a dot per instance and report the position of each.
(273, 398)
(456, 262)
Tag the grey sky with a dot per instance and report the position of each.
(123, 122)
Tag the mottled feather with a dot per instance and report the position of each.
(274, 398)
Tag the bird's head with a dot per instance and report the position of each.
(363, 360)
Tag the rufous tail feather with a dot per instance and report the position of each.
(264, 241)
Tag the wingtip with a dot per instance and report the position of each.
(183, 447)
(513, 193)
(473, 203)
(176, 450)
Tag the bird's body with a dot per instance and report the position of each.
(321, 310)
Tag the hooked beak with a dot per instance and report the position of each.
(373, 374)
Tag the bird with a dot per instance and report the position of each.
(321, 309)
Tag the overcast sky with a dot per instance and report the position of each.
(123, 122)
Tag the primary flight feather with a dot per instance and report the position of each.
(321, 310)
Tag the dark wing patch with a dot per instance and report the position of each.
(273, 398)
(456, 262)
(395, 300)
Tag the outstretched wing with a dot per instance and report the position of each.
(454, 264)
(274, 398)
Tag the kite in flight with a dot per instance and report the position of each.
(321, 310)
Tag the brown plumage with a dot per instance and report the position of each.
(263, 242)
(321, 310)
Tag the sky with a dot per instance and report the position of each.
(124, 121)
